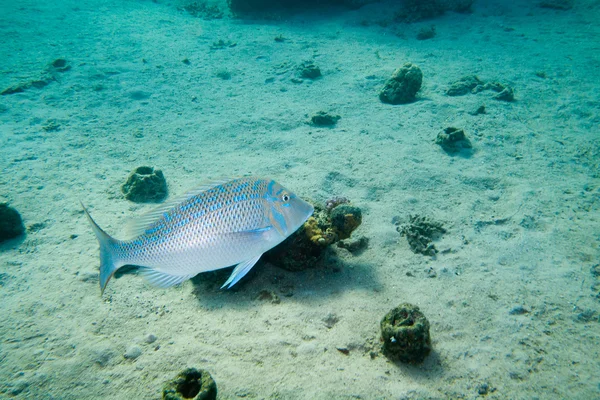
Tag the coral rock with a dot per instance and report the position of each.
(405, 334)
(11, 224)
(145, 185)
(191, 384)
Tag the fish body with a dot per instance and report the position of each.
(217, 226)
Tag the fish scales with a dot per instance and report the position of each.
(230, 223)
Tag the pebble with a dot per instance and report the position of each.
(150, 339)
(132, 353)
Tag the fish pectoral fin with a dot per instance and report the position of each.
(163, 280)
(240, 271)
(250, 237)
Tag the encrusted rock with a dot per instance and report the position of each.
(402, 87)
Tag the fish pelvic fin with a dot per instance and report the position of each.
(109, 264)
(240, 271)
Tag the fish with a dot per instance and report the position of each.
(216, 226)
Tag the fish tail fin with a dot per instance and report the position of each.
(109, 263)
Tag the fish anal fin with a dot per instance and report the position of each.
(163, 280)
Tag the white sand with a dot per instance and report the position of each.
(535, 160)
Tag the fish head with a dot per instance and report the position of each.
(287, 211)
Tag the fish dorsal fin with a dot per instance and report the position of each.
(139, 225)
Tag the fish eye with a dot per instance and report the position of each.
(285, 197)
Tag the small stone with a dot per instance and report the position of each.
(309, 70)
(483, 389)
(60, 65)
(139, 95)
(426, 33)
(89, 277)
(36, 227)
(518, 310)
(586, 316)
(480, 110)
(453, 140)
(268, 295)
(14, 89)
(354, 245)
(150, 338)
(133, 352)
(18, 386)
(102, 357)
(322, 118)
(507, 94)
(330, 320)
(464, 85)
(557, 4)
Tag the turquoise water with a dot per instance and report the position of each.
(93, 90)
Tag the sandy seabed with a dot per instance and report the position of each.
(511, 296)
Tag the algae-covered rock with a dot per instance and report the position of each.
(405, 334)
(402, 87)
(191, 384)
(472, 84)
(304, 248)
(345, 218)
(464, 85)
(453, 140)
(145, 185)
(11, 224)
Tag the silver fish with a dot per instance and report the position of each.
(217, 226)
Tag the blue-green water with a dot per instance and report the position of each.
(92, 90)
